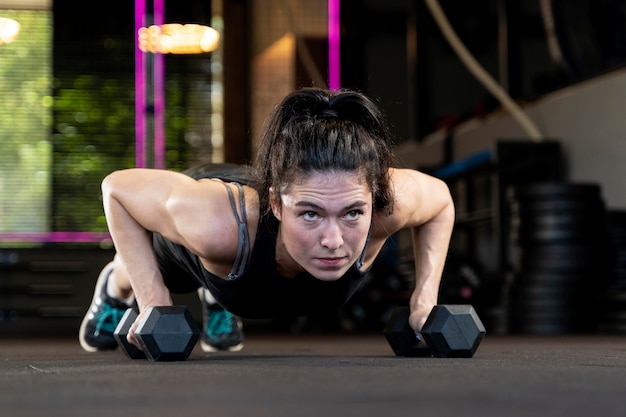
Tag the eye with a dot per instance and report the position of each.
(353, 214)
(309, 215)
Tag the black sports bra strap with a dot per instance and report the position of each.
(361, 259)
(243, 243)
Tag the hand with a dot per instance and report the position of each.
(139, 321)
(418, 317)
(130, 337)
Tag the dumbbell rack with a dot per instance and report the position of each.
(47, 290)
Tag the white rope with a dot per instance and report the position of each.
(479, 72)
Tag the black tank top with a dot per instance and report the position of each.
(256, 290)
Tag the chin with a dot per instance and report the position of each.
(326, 275)
(327, 278)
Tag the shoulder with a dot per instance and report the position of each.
(206, 220)
(417, 198)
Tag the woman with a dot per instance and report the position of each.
(295, 234)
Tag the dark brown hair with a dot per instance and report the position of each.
(318, 130)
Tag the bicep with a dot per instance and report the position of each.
(160, 201)
(419, 198)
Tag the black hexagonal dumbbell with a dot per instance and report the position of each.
(121, 332)
(402, 338)
(167, 333)
(450, 331)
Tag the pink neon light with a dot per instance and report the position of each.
(140, 89)
(334, 40)
(159, 93)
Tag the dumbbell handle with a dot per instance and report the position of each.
(121, 331)
(402, 338)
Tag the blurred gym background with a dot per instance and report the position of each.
(518, 105)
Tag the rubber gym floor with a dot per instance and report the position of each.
(320, 375)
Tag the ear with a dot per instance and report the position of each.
(275, 203)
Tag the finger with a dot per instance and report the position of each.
(131, 334)
(417, 320)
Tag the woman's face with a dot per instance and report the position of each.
(324, 223)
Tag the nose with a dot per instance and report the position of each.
(332, 237)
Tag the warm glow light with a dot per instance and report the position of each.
(174, 38)
(9, 29)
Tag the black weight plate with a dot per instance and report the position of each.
(613, 304)
(618, 252)
(564, 250)
(543, 327)
(546, 292)
(541, 315)
(555, 306)
(563, 301)
(557, 266)
(566, 318)
(593, 215)
(120, 333)
(618, 274)
(558, 235)
(613, 328)
(558, 205)
(401, 337)
(618, 297)
(617, 315)
(552, 279)
(616, 233)
(616, 217)
(585, 219)
(561, 257)
(614, 317)
(453, 331)
(168, 333)
(557, 191)
(546, 311)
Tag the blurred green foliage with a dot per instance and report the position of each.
(25, 151)
(94, 125)
(64, 127)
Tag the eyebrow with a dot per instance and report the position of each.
(356, 204)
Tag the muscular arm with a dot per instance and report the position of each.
(138, 202)
(425, 207)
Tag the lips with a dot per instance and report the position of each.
(332, 262)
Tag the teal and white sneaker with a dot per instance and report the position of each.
(221, 330)
(96, 330)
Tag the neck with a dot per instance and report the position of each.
(285, 265)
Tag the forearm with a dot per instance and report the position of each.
(133, 244)
(430, 246)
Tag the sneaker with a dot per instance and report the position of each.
(221, 330)
(98, 325)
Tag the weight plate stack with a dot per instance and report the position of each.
(616, 232)
(559, 234)
(612, 302)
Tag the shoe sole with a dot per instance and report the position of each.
(104, 274)
(210, 349)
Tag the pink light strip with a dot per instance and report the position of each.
(55, 237)
(140, 89)
(159, 93)
(334, 40)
